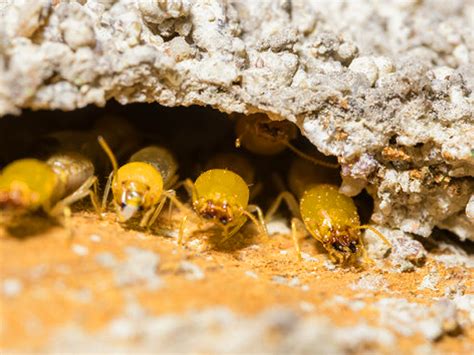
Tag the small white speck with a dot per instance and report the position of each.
(284, 252)
(429, 282)
(192, 271)
(251, 274)
(307, 257)
(106, 259)
(141, 236)
(294, 282)
(279, 280)
(194, 244)
(122, 328)
(357, 305)
(306, 306)
(329, 265)
(80, 250)
(12, 287)
(305, 288)
(95, 238)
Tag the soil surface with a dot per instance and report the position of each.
(53, 278)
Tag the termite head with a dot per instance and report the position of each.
(261, 135)
(132, 199)
(17, 196)
(27, 184)
(214, 210)
(220, 195)
(344, 245)
(137, 186)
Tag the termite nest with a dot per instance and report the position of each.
(222, 172)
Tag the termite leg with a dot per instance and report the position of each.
(188, 184)
(83, 191)
(235, 229)
(107, 191)
(255, 208)
(290, 201)
(294, 235)
(170, 195)
(153, 212)
(261, 226)
(181, 230)
(365, 255)
(67, 220)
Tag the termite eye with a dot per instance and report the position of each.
(122, 205)
(223, 220)
(353, 247)
(337, 246)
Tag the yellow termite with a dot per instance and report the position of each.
(328, 215)
(222, 197)
(28, 185)
(262, 135)
(140, 184)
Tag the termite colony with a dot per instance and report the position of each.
(219, 172)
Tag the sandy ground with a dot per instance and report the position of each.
(51, 280)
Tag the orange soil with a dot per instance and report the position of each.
(49, 294)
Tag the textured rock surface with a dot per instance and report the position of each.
(387, 87)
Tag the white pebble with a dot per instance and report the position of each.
(192, 271)
(365, 66)
(307, 257)
(251, 274)
(95, 238)
(329, 265)
(12, 287)
(106, 259)
(305, 288)
(279, 280)
(294, 282)
(80, 250)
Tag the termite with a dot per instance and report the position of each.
(328, 215)
(142, 184)
(264, 136)
(28, 185)
(222, 197)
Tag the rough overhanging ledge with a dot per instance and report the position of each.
(387, 88)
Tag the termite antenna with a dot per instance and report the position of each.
(109, 153)
(310, 158)
(377, 233)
